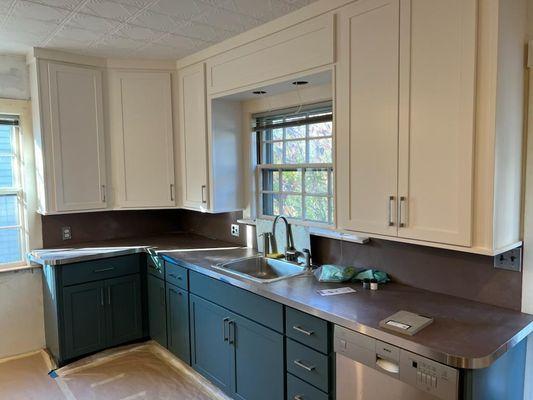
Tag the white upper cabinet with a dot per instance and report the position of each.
(406, 118)
(437, 84)
(193, 137)
(69, 136)
(367, 116)
(142, 139)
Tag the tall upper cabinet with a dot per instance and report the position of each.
(69, 135)
(142, 139)
(420, 156)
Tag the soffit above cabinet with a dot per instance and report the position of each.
(132, 28)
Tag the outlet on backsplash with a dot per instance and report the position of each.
(510, 260)
(66, 233)
(235, 231)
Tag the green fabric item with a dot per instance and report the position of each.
(334, 273)
(380, 276)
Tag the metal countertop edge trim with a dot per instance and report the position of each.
(439, 356)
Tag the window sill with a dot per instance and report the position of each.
(17, 267)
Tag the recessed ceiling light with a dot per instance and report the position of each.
(259, 92)
(300, 83)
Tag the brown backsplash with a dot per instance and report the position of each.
(459, 274)
(465, 275)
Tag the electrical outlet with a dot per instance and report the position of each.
(235, 230)
(510, 260)
(66, 233)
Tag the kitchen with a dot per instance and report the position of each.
(266, 200)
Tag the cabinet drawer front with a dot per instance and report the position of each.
(155, 270)
(249, 305)
(300, 390)
(307, 329)
(176, 275)
(309, 365)
(100, 269)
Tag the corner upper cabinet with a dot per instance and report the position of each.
(193, 136)
(69, 136)
(142, 139)
(405, 118)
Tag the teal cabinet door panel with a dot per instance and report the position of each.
(123, 313)
(178, 322)
(210, 351)
(157, 319)
(257, 361)
(84, 319)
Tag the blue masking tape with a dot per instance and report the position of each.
(52, 374)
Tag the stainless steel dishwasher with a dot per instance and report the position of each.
(368, 369)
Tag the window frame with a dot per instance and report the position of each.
(303, 167)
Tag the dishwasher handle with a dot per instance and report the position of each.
(387, 365)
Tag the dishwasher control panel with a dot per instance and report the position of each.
(427, 375)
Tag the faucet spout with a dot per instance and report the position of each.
(289, 240)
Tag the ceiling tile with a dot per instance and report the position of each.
(180, 9)
(138, 33)
(25, 9)
(177, 42)
(225, 19)
(109, 9)
(92, 23)
(153, 20)
(66, 4)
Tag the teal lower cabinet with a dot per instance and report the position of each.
(242, 357)
(300, 390)
(177, 321)
(157, 319)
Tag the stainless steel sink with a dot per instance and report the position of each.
(261, 269)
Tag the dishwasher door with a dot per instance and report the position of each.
(356, 381)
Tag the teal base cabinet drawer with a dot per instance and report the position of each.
(309, 330)
(300, 390)
(107, 268)
(178, 322)
(247, 304)
(309, 365)
(176, 275)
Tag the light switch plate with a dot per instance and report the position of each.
(66, 233)
(510, 260)
(235, 231)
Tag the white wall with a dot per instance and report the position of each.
(21, 303)
(14, 78)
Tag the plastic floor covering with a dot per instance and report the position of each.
(145, 371)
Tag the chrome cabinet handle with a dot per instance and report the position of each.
(298, 397)
(391, 201)
(224, 322)
(103, 194)
(403, 202)
(302, 365)
(171, 192)
(301, 330)
(104, 269)
(204, 188)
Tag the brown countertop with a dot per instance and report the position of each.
(464, 333)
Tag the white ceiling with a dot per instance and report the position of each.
(161, 29)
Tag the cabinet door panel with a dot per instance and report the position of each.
(157, 319)
(367, 116)
(258, 364)
(178, 322)
(84, 317)
(77, 130)
(193, 134)
(210, 351)
(437, 119)
(123, 313)
(147, 153)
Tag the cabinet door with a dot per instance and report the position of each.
(437, 59)
(157, 319)
(123, 311)
(146, 152)
(84, 318)
(77, 131)
(210, 350)
(258, 370)
(178, 322)
(193, 134)
(367, 116)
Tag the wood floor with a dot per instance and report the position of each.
(139, 372)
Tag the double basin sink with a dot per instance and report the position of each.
(261, 269)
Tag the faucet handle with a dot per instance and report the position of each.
(307, 257)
